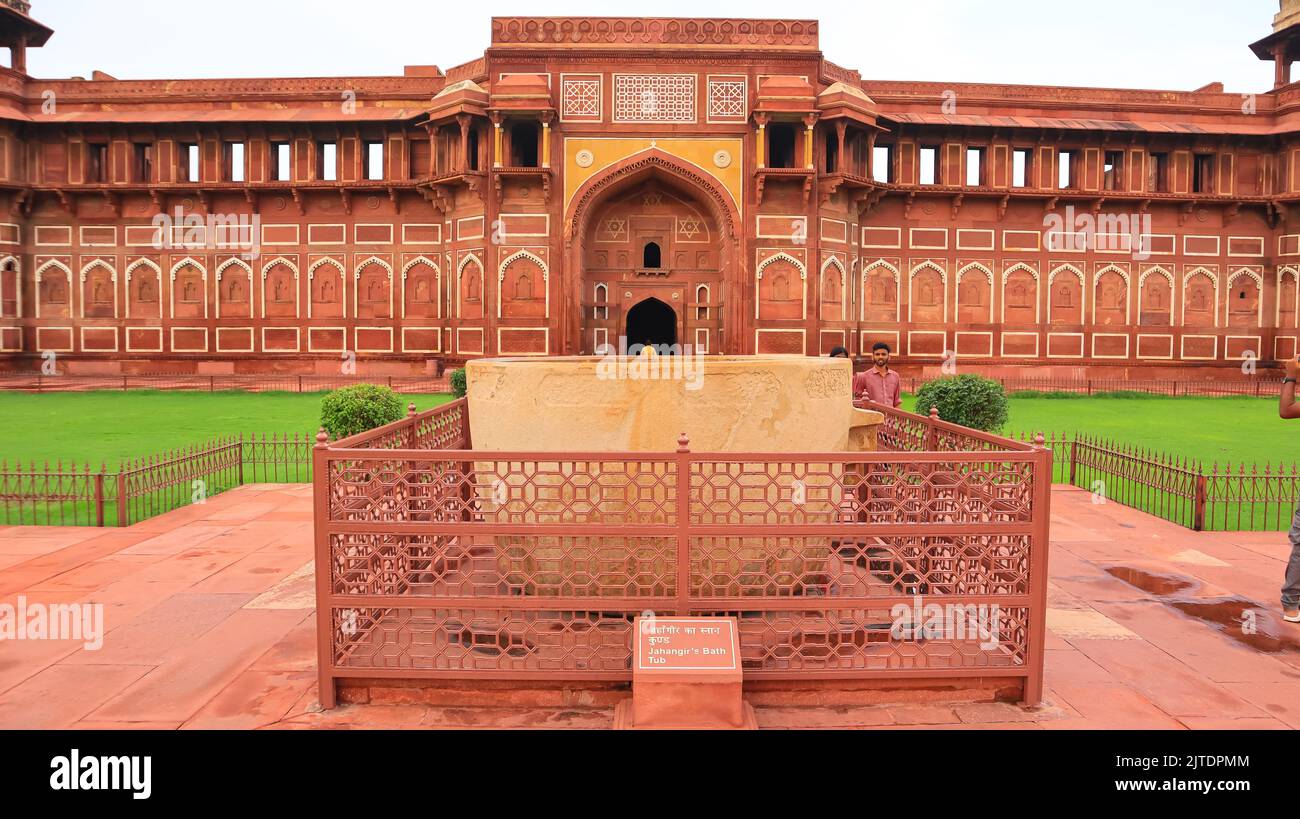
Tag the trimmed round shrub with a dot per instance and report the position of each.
(969, 400)
(459, 384)
(361, 407)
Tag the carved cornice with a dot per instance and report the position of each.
(634, 31)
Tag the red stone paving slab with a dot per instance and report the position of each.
(990, 713)
(126, 599)
(178, 540)
(210, 624)
(96, 725)
(153, 636)
(1073, 666)
(923, 715)
(1272, 545)
(841, 717)
(1212, 724)
(289, 516)
(199, 671)
(983, 726)
(1111, 706)
(1256, 578)
(1177, 689)
(42, 568)
(296, 651)
(197, 564)
(62, 694)
(253, 573)
(382, 717)
(1053, 642)
(1278, 700)
(96, 574)
(20, 543)
(297, 591)
(243, 512)
(1094, 586)
(363, 716)
(253, 699)
(487, 718)
(1198, 644)
(13, 560)
(22, 659)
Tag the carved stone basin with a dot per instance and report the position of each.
(724, 404)
(577, 405)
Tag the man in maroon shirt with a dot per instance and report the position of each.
(879, 385)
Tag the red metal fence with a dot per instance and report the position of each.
(81, 495)
(1225, 498)
(436, 561)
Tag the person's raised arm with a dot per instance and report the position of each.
(1287, 407)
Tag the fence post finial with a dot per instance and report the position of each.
(934, 412)
(322, 437)
(411, 412)
(1039, 440)
(684, 443)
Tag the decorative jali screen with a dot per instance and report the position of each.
(925, 560)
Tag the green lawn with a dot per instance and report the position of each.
(106, 427)
(109, 426)
(1209, 429)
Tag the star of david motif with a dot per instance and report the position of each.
(689, 228)
(616, 227)
(653, 198)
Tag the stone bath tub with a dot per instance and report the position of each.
(724, 404)
(590, 405)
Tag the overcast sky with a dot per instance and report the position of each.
(1165, 44)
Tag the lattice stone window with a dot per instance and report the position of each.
(654, 98)
(727, 99)
(580, 98)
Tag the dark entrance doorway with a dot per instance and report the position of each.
(651, 322)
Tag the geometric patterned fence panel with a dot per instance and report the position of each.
(438, 561)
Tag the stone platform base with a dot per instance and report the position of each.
(623, 721)
(765, 693)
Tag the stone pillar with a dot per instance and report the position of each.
(841, 130)
(809, 122)
(546, 140)
(496, 140)
(18, 55)
(1281, 65)
(463, 121)
(761, 121)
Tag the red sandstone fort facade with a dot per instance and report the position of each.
(708, 182)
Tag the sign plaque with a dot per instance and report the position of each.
(686, 673)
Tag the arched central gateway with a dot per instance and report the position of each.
(654, 244)
(651, 322)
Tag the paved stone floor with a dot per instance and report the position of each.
(211, 625)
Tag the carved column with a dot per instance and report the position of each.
(1281, 65)
(18, 55)
(761, 121)
(496, 139)
(463, 120)
(546, 139)
(808, 121)
(841, 129)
